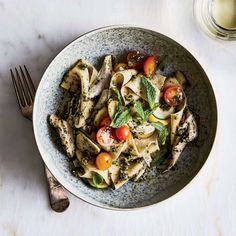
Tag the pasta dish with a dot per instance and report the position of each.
(116, 123)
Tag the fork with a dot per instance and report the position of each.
(25, 92)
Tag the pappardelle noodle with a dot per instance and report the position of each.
(118, 122)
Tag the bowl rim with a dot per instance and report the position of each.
(56, 173)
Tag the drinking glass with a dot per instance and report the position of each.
(217, 18)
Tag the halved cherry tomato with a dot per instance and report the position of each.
(105, 136)
(123, 133)
(106, 121)
(103, 161)
(149, 66)
(173, 95)
(135, 60)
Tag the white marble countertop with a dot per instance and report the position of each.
(32, 33)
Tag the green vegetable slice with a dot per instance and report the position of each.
(100, 115)
(97, 179)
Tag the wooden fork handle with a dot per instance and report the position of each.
(58, 199)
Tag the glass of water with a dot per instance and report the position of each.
(217, 18)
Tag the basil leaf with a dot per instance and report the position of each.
(162, 131)
(120, 119)
(97, 179)
(139, 109)
(150, 92)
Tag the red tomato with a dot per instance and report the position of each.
(123, 133)
(106, 121)
(103, 161)
(135, 60)
(149, 66)
(105, 136)
(173, 95)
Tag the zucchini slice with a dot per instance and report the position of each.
(180, 78)
(112, 107)
(100, 115)
(163, 114)
(100, 186)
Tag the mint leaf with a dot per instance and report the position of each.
(139, 109)
(150, 92)
(150, 111)
(142, 114)
(120, 118)
(147, 113)
(118, 111)
(162, 131)
(97, 179)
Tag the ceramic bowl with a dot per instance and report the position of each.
(118, 40)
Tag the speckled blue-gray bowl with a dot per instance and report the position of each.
(117, 40)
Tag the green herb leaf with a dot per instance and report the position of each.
(150, 92)
(162, 132)
(118, 111)
(142, 114)
(97, 179)
(118, 95)
(139, 109)
(147, 113)
(120, 118)
(160, 157)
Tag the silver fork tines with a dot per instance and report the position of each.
(25, 90)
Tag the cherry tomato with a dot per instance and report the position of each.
(123, 133)
(103, 161)
(173, 95)
(135, 60)
(149, 66)
(105, 136)
(106, 121)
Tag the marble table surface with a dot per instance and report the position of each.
(32, 33)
